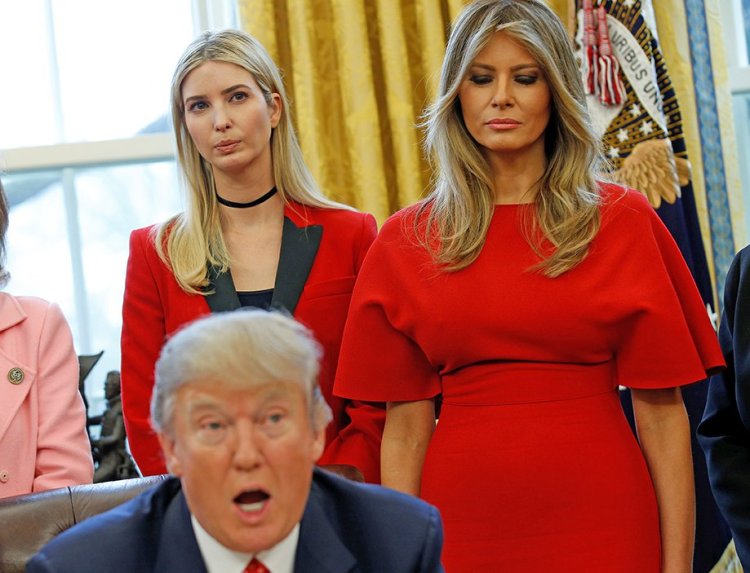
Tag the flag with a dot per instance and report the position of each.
(642, 136)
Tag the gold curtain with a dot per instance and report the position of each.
(359, 75)
(671, 21)
(671, 24)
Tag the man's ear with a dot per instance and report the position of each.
(318, 445)
(169, 447)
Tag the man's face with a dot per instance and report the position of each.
(245, 458)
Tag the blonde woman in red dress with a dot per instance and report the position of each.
(523, 290)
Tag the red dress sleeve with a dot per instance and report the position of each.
(357, 443)
(380, 358)
(143, 334)
(667, 339)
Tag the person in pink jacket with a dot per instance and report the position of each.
(43, 440)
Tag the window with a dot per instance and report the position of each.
(736, 23)
(85, 149)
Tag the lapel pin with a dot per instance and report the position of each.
(15, 375)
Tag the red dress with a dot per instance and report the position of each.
(532, 464)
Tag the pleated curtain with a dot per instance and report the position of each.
(359, 74)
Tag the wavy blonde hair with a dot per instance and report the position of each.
(192, 239)
(460, 206)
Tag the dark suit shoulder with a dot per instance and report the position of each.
(354, 494)
(121, 539)
(741, 264)
(385, 530)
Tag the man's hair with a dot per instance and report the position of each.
(239, 349)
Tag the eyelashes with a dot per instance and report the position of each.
(199, 105)
(239, 96)
(524, 79)
(527, 79)
(480, 80)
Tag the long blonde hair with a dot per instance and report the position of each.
(192, 239)
(459, 208)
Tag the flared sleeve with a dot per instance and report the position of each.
(666, 337)
(381, 358)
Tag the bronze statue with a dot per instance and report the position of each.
(111, 458)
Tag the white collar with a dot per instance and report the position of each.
(220, 559)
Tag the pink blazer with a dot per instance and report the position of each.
(43, 441)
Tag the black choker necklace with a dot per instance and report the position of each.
(258, 201)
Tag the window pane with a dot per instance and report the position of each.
(741, 108)
(38, 252)
(115, 61)
(108, 203)
(27, 109)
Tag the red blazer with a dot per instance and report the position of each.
(321, 253)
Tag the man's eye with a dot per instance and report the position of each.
(275, 423)
(212, 431)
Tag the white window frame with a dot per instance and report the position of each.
(207, 15)
(733, 26)
(735, 43)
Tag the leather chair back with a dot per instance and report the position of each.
(27, 522)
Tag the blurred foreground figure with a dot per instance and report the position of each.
(241, 420)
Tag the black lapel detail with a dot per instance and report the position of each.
(298, 249)
(224, 297)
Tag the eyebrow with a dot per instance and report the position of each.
(223, 92)
(201, 404)
(513, 68)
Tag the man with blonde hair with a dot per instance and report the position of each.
(241, 422)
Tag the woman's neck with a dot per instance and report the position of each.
(245, 189)
(245, 186)
(515, 178)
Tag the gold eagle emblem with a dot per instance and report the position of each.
(653, 169)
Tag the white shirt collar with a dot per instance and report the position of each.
(220, 559)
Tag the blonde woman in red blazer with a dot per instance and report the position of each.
(43, 440)
(256, 232)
